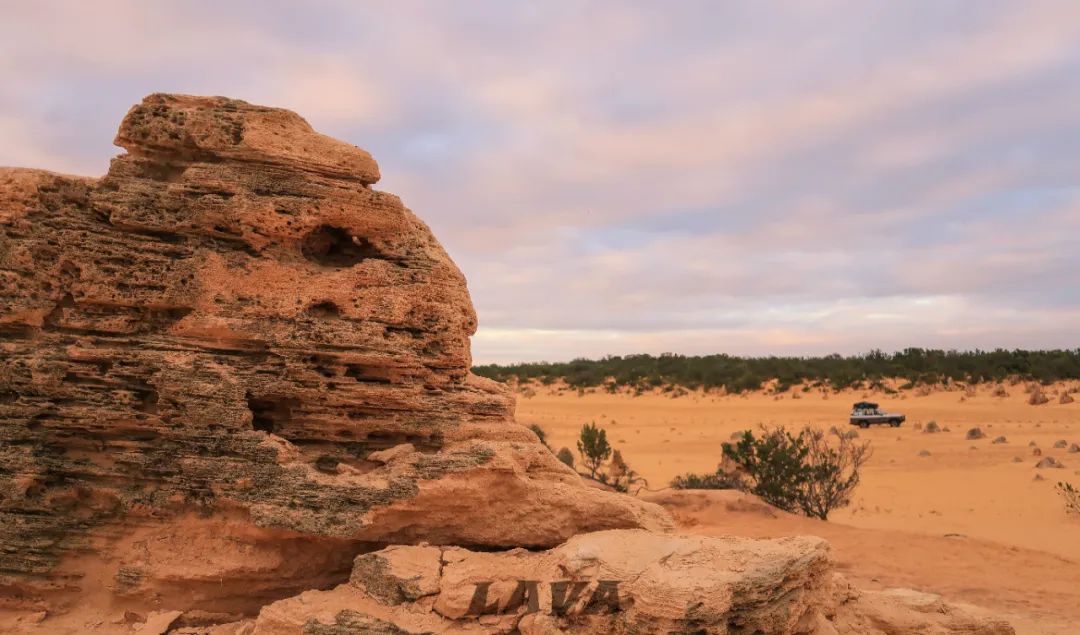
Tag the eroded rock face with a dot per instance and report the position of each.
(619, 582)
(233, 324)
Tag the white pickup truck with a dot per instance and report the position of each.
(864, 414)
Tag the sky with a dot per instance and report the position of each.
(790, 177)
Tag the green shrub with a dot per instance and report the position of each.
(810, 472)
(566, 456)
(540, 433)
(593, 447)
(716, 480)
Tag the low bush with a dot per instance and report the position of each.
(716, 480)
(1071, 496)
(620, 476)
(540, 433)
(811, 472)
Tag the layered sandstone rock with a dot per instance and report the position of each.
(232, 336)
(618, 582)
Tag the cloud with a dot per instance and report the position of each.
(622, 176)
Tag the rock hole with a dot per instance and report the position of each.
(142, 435)
(363, 375)
(410, 331)
(148, 402)
(334, 247)
(383, 440)
(327, 464)
(270, 414)
(164, 172)
(325, 309)
(16, 331)
(231, 231)
(57, 313)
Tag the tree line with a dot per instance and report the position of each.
(917, 366)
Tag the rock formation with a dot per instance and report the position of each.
(619, 582)
(235, 398)
(234, 332)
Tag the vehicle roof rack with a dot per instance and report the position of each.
(864, 405)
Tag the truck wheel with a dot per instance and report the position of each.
(864, 424)
(895, 423)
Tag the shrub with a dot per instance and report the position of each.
(1071, 496)
(566, 456)
(716, 480)
(593, 447)
(540, 433)
(620, 476)
(810, 472)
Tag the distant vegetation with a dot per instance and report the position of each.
(737, 374)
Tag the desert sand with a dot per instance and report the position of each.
(967, 521)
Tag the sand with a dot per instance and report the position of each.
(1035, 590)
(920, 514)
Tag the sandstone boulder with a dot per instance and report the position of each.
(233, 333)
(618, 582)
(906, 611)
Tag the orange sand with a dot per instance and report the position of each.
(1036, 591)
(978, 493)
